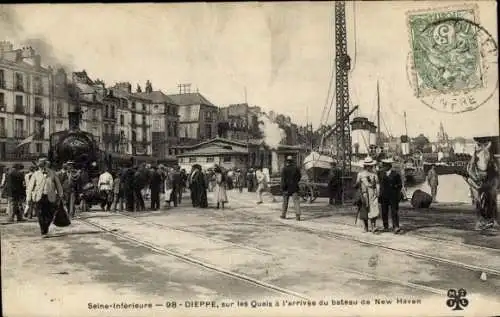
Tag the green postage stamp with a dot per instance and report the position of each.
(445, 51)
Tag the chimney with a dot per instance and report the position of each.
(5, 46)
(13, 56)
(28, 52)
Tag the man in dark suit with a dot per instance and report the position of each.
(290, 177)
(390, 194)
(155, 186)
(16, 193)
(335, 185)
(176, 194)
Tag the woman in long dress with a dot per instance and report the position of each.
(368, 184)
(220, 188)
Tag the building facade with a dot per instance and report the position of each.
(236, 154)
(198, 117)
(164, 123)
(238, 122)
(25, 102)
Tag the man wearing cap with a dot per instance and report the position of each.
(290, 177)
(44, 189)
(390, 194)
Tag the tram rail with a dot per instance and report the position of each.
(248, 279)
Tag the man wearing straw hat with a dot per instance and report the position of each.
(44, 189)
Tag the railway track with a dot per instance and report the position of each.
(419, 235)
(419, 255)
(268, 252)
(193, 261)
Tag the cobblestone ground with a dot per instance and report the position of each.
(243, 253)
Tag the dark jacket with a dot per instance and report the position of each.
(156, 181)
(390, 186)
(176, 180)
(290, 177)
(14, 185)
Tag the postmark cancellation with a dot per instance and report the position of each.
(452, 62)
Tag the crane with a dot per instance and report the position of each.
(342, 112)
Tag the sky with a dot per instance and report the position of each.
(281, 53)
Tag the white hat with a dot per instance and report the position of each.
(368, 161)
(388, 161)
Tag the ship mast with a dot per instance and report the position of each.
(378, 115)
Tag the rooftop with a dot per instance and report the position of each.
(193, 98)
(155, 96)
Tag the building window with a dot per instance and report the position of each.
(2, 79)
(2, 100)
(156, 124)
(3, 133)
(133, 105)
(227, 159)
(19, 101)
(39, 148)
(106, 111)
(112, 114)
(210, 159)
(19, 82)
(59, 109)
(208, 130)
(143, 107)
(156, 108)
(39, 128)
(143, 119)
(192, 159)
(94, 115)
(122, 119)
(38, 106)
(38, 87)
(19, 128)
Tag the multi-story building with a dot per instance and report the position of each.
(165, 123)
(25, 101)
(140, 125)
(197, 116)
(123, 127)
(90, 97)
(237, 122)
(134, 121)
(59, 114)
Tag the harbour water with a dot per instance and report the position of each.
(452, 188)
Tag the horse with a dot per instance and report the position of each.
(483, 179)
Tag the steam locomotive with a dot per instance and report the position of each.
(78, 146)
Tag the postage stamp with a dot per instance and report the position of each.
(452, 63)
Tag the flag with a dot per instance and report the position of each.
(27, 140)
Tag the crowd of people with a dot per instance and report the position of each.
(40, 191)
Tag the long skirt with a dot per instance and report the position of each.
(368, 208)
(220, 193)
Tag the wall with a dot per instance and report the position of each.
(237, 161)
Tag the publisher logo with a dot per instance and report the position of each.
(456, 299)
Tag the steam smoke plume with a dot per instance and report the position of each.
(11, 29)
(273, 134)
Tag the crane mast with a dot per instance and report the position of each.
(342, 67)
